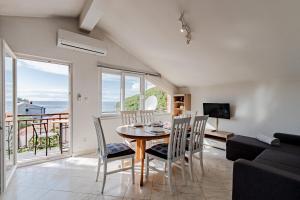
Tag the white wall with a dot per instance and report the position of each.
(37, 36)
(264, 107)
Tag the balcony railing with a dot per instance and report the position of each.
(57, 124)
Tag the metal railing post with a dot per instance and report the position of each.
(26, 125)
(18, 134)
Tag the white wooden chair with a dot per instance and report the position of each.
(147, 116)
(173, 151)
(195, 141)
(111, 152)
(129, 117)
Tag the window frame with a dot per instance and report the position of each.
(122, 74)
(114, 72)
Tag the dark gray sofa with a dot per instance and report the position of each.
(264, 172)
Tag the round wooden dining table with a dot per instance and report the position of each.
(141, 135)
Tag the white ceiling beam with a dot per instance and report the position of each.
(90, 15)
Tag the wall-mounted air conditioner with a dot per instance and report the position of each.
(74, 41)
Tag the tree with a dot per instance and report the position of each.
(132, 103)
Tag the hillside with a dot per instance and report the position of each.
(132, 103)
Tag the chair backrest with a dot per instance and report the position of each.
(147, 116)
(177, 140)
(128, 117)
(197, 133)
(100, 137)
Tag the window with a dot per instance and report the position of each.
(111, 93)
(132, 92)
(124, 91)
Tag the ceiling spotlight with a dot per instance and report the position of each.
(185, 28)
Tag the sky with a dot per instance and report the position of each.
(41, 81)
(111, 87)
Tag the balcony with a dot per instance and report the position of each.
(32, 133)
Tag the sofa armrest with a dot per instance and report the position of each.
(252, 180)
(288, 138)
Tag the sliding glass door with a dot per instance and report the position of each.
(7, 114)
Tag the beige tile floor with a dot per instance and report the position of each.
(74, 179)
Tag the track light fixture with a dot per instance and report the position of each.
(185, 28)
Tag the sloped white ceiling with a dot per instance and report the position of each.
(232, 40)
(41, 8)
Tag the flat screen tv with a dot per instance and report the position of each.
(217, 110)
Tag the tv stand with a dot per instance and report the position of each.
(218, 134)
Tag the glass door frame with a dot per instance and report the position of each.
(70, 105)
(5, 49)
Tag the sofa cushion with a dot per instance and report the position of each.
(287, 148)
(244, 147)
(288, 138)
(280, 160)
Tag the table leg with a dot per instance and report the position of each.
(166, 140)
(140, 155)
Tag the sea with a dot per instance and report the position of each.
(63, 106)
(53, 106)
(109, 106)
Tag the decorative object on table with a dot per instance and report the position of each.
(111, 152)
(156, 124)
(155, 130)
(173, 151)
(195, 142)
(138, 124)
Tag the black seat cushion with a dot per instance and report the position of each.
(280, 160)
(118, 149)
(159, 150)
